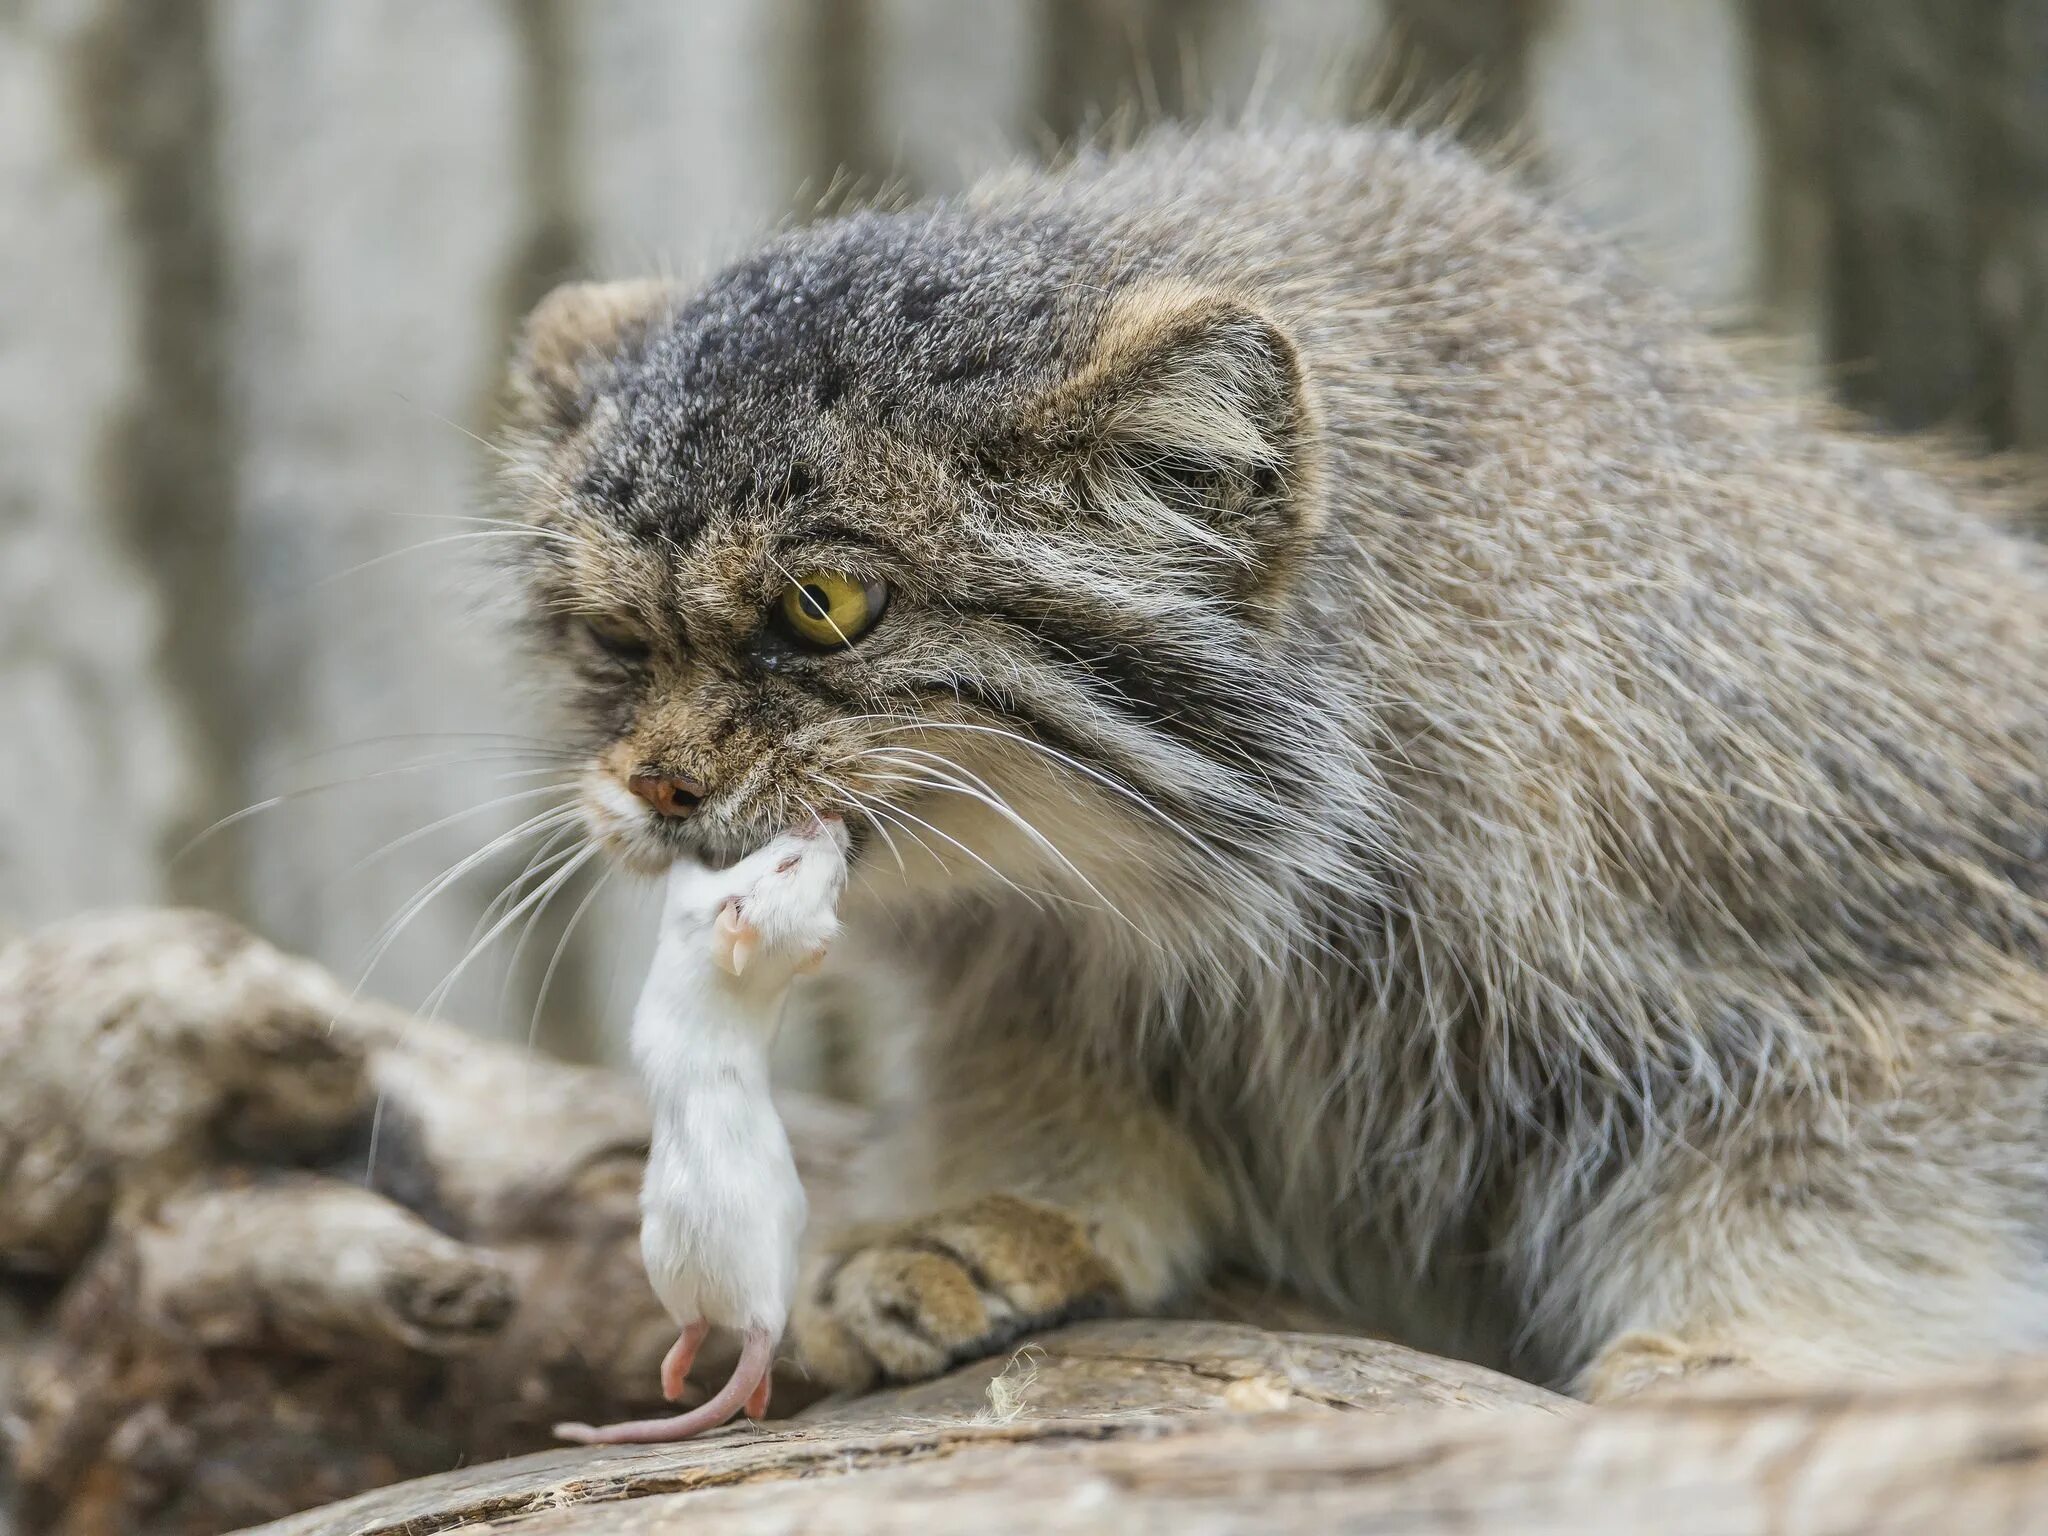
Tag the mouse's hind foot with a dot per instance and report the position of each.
(675, 1365)
(746, 1390)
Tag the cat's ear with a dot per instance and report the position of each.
(570, 339)
(1190, 418)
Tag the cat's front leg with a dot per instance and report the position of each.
(1645, 1361)
(906, 1300)
(1046, 1198)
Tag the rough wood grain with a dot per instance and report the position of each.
(280, 1244)
(1087, 1384)
(1963, 1455)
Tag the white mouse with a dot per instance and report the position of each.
(721, 1209)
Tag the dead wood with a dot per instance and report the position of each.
(217, 1307)
(228, 1308)
(1913, 1459)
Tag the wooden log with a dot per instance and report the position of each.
(1959, 1455)
(1090, 1384)
(277, 1244)
(328, 1248)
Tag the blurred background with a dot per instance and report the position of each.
(262, 261)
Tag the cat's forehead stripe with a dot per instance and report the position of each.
(743, 395)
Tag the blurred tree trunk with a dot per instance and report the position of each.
(2014, 221)
(1032, 1453)
(832, 106)
(1906, 143)
(145, 97)
(1465, 59)
(1135, 61)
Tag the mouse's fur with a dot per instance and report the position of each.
(1413, 772)
(722, 1210)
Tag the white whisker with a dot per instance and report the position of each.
(851, 797)
(1023, 825)
(290, 796)
(381, 944)
(389, 555)
(453, 817)
(431, 1006)
(1034, 897)
(547, 976)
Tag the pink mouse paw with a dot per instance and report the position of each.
(675, 1365)
(746, 1391)
(782, 915)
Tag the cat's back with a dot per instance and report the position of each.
(1604, 575)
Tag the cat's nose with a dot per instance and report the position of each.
(671, 794)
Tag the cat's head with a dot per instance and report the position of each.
(918, 520)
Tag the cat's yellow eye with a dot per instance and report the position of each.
(829, 608)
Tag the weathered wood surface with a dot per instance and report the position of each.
(289, 1244)
(232, 1326)
(229, 1320)
(1085, 1384)
(1280, 1453)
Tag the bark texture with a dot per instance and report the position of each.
(268, 1246)
(1961, 1456)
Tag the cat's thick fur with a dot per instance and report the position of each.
(1393, 761)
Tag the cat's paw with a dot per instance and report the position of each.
(779, 913)
(1639, 1363)
(905, 1302)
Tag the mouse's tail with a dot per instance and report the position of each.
(756, 1363)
